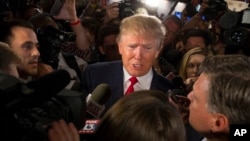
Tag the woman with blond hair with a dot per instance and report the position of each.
(189, 67)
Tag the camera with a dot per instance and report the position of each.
(214, 7)
(51, 40)
(126, 9)
(236, 39)
(27, 110)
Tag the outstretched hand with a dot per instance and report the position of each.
(68, 11)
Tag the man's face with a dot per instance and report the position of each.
(199, 116)
(193, 42)
(172, 31)
(24, 42)
(138, 53)
(110, 48)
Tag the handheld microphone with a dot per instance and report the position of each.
(95, 107)
(96, 100)
(17, 94)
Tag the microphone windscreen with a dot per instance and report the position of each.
(77, 107)
(51, 83)
(229, 20)
(45, 87)
(101, 93)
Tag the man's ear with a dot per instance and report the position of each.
(220, 123)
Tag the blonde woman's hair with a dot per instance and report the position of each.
(183, 66)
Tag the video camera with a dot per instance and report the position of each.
(214, 7)
(236, 34)
(51, 40)
(126, 9)
(28, 109)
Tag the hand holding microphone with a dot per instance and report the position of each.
(181, 103)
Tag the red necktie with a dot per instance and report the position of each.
(130, 89)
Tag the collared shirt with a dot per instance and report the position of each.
(144, 82)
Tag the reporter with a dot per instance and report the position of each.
(144, 115)
(220, 96)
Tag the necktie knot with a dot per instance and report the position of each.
(130, 89)
(133, 80)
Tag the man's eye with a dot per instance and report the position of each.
(132, 46)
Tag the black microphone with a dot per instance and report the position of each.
(95, 107)
(229, 20)
(17, 94)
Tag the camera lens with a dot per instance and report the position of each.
(236, 36)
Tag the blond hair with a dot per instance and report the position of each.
(184, 62)
(142, 24)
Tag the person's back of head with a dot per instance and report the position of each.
(8, 60)
(142, 116)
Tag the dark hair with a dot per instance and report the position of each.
(6, 28)
(175, 19)
(106, 30)
(229, 85)
(142, 116)
(90, 23)
(195, 32)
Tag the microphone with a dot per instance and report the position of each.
(17, 94)
(95, 107)
(96, 100)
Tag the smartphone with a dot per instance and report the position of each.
(56, 8)
(178, 99)
(198, 7)
(178, 14)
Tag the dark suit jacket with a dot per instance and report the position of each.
(112, 74)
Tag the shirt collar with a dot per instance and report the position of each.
(144, 81)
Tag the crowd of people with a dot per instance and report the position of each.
(208, 76)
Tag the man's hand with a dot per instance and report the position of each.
(68, 11)
(112, 12)
(61, 131)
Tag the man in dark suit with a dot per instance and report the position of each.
(139, 43)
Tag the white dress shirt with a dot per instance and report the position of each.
(144, 82)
